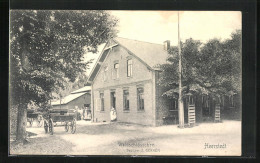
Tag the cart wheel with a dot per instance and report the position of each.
(66, 126)
(45, 126)
(51, 126)
(73, 126)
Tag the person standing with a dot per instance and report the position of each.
(113, 114)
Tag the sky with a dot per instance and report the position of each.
(159, 26)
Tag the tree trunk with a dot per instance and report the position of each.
(21, 123)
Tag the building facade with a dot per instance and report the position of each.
(125, 78)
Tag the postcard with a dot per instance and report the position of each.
(125, 82)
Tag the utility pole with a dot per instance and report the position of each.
(180, 101)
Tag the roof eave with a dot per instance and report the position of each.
(97, 62)
(89, 82)
(70, 100)
(88, 91)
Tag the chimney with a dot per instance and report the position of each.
(166, 45)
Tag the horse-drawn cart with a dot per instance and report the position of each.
(68, 117)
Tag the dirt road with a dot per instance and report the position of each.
(129, 139)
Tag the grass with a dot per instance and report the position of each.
(45, 145)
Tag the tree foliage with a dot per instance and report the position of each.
(70, 87)
(46, 52)
(47, 47)
(210, 68)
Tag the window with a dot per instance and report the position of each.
(113, 99)
(116, 71)
(231, 101)
(126, 99)
(102, 101)
(105, 73)
(206, 111)
(173, 104)
(205, 101)
(191, 100)
(222, 102)
(140, 98)
(129, 68)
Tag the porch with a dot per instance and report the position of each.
(204, 108)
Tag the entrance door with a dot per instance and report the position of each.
(113, 100)
(87, 112)
(206, 108)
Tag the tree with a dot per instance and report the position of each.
(220, 65)
(169, 77)
(71, 86)
(46, 51)
(211, 68)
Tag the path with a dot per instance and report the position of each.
(128, 139)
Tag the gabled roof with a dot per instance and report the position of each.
(83, 89)
(67, 99)
(150, 54)
(72, 96)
